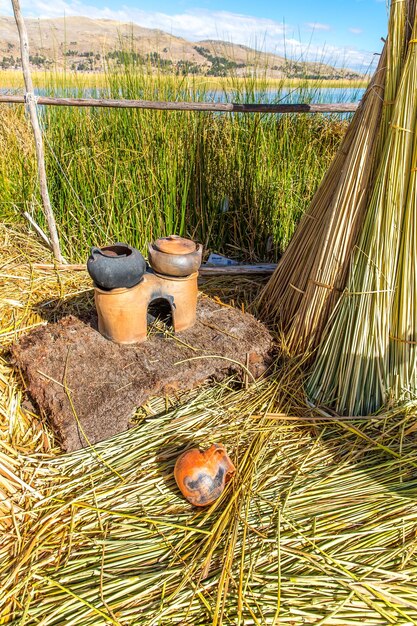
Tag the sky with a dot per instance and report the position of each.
(345, 33)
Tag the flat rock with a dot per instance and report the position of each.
(90, 387)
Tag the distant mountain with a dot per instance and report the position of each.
(85, 44)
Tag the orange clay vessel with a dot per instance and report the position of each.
(201, 476)
(122, 309)
(175, 256)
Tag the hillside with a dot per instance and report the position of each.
(84, 44)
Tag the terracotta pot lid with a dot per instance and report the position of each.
(173, 244)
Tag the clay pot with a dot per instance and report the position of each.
(201, 476)
(175, 256)
(117, 266)
(174, 244)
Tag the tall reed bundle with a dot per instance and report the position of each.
(311, 275)
(369, 355)
(399, 33)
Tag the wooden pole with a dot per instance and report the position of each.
(219, 107)
(30, 101)
(205, 270)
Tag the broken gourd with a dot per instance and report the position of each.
(201, 476)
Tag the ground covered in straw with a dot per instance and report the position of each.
(318, 526)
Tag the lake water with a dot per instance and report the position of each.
(293, 96)
(283, 96)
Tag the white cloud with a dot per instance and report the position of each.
(203, 24)
(193, 24)
(196, 24)
(355, 31)
(345, 57)
(318, 26)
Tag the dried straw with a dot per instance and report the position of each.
(318, 526)
(311, 275)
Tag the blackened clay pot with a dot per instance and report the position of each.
(116, 266)
(201, 476)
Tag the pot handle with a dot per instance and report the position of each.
(199, 250)
(94, 252)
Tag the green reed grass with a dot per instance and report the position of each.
(238, 183)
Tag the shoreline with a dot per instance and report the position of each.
(13, 79)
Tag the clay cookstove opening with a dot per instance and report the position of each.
(160, 310)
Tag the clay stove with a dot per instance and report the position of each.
(171, 275)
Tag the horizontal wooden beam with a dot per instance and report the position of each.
(230, 270)
(220, 107)
(205, 270)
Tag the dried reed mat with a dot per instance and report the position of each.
(318, 526)
(369, 356)
(311, 275)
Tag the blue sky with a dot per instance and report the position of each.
(344, 33)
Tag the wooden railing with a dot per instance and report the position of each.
(220, 107)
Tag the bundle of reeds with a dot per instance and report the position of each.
(311, 275)
(369, 355)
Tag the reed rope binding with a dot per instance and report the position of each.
(30, 97)
(412, 343)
